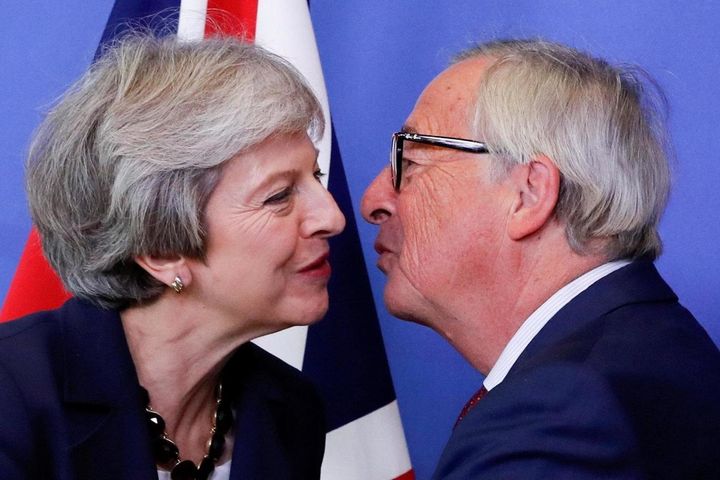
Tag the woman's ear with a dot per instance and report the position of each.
(166, 269)
(537, 187)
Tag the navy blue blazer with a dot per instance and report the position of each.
(622, 383)
(71, 407)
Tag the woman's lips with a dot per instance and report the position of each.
(317, 268)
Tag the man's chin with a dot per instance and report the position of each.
(400, 306)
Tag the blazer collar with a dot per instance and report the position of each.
(107, 434)
(260, 403)
(98, 367)
(637, 282)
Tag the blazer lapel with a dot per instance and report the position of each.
(107, 435)
(634, 283)
(259, 408)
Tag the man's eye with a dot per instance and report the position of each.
(319, 174)
(408, 164)
(280, 197)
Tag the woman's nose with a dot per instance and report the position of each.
(325, 218)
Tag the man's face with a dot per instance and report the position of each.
(441, 234)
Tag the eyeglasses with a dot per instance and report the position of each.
(399, 138)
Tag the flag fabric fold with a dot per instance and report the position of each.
(344, 354)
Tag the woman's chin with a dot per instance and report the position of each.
(313, 316)
(306, 313)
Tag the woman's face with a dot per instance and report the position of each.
(268, 222)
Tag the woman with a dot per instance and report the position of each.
(177, 194)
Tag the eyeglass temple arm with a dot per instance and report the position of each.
(458, 143)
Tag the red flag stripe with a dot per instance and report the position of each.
(231, 17)
(409, 475)
(35, 285)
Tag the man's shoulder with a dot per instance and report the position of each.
(626, 377)
(629, 320)
(657, 339)
(621, 383)
(654, 358)
(554, 420)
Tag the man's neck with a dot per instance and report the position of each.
(484, 323)
(532, 326)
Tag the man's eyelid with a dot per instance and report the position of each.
(414, 158)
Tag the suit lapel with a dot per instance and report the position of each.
(638, 282)
(107, 435)
(260, 406)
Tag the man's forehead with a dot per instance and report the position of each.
(444, 106)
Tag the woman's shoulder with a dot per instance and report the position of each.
(36, 344)
(251, 360)
(30, 359)
(24, 333)
(252, 368)
(42, 326)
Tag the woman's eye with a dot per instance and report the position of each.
(280, 197)
(318, 174)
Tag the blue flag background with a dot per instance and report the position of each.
(377, 57)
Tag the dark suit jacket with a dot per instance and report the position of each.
(621, 383)
(71, 408)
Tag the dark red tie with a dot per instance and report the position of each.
(471, 404)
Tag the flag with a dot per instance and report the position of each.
(344, 354)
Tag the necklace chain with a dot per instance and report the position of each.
(167, 453)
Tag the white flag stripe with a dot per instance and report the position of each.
(288, 345)
(284, 27)
(191, 24)
(369, 448)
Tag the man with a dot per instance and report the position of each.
(519, 220)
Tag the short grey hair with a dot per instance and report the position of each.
(602, 125)
(124, 164)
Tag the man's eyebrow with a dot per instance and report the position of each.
(408, 129)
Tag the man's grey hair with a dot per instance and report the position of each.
(124, 164)
(604, 128)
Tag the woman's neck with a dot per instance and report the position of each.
(178, 357)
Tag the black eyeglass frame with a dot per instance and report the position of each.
(399, 138)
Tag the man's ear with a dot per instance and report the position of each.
(537, 187)
(165, 269)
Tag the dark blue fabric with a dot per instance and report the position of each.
(71, 406)
(622, 383)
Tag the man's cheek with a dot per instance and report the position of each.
(421, 259)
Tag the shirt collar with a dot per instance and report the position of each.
(537, 320)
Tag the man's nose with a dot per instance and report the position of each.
(378, 202)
